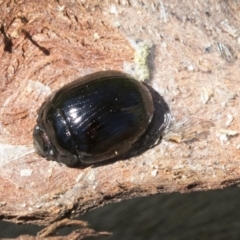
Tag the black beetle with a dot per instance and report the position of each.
(93, 118)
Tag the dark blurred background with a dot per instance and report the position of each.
(200, 215)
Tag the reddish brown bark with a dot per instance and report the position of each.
(194, 62)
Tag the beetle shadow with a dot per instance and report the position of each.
(153, 134)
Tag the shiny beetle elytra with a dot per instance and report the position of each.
(93, 119)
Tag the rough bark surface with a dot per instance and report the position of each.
(194, 64)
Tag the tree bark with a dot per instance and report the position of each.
(192, 53)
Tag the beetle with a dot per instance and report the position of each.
(93, 119)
